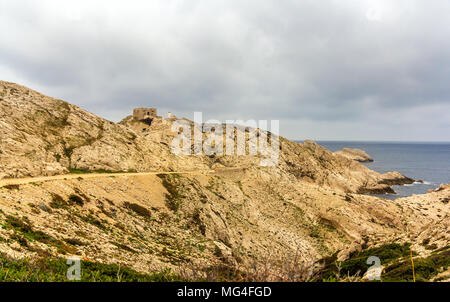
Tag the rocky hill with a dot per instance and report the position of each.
(232, 213)
(355, 154)
(45, 136)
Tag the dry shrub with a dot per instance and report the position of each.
(266, 269)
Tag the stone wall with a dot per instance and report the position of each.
(144, 113)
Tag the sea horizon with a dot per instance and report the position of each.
(376, 141)
(428, 162)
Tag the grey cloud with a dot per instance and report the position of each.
(321, 65)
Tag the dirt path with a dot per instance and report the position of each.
(21, 181)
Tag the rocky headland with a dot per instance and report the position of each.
(355, 154)
(193, 214)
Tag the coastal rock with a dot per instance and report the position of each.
(46, 136)
(395, 178)
(385, 181)
(377, 190)
(355, 154)
(304, 208)
(442, 187)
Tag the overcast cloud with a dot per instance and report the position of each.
(342, 69)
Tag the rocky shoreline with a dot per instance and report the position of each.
(355, 154)
(387, 181)
(396, 179)
(384, 183)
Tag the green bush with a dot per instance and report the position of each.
(12, 187)
(357, 265)
(95, 222)
(75, 199)
(424, 268)
(174, 198)
(57, 202)
(17, 224)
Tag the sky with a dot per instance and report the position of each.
(327, 70)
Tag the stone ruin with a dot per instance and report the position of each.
(142, 114)
(145, 115)
(148, 115)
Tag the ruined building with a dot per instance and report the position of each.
(145, 117)
(142, 114)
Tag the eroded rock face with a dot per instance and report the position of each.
(304, 207)
(385, 182)
(441, 188)
(233, 219)
(45, 136)
(41, 135)
(395, 178)
(355, 154)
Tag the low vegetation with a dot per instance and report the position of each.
(24, 233)
(356, 265)
(174, 196)
(55, 270)
(12, 187)
(58, 202)
(94, 221)
(97, 171)
(75, 199)
(395, 258)
(140, 210)
(424, 268)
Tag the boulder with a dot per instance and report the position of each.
(395, 178)
(355, 154)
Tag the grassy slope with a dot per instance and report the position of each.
(54, 270)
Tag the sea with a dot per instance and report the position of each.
(429, 162)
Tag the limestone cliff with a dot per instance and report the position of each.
(355, 154)
(229, 212)
(45, 136)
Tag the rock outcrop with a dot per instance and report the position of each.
(441, 188)
(238, 214)
(45, 136)
(395, 178)
(355, 154)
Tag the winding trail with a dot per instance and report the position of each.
(22, 181)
